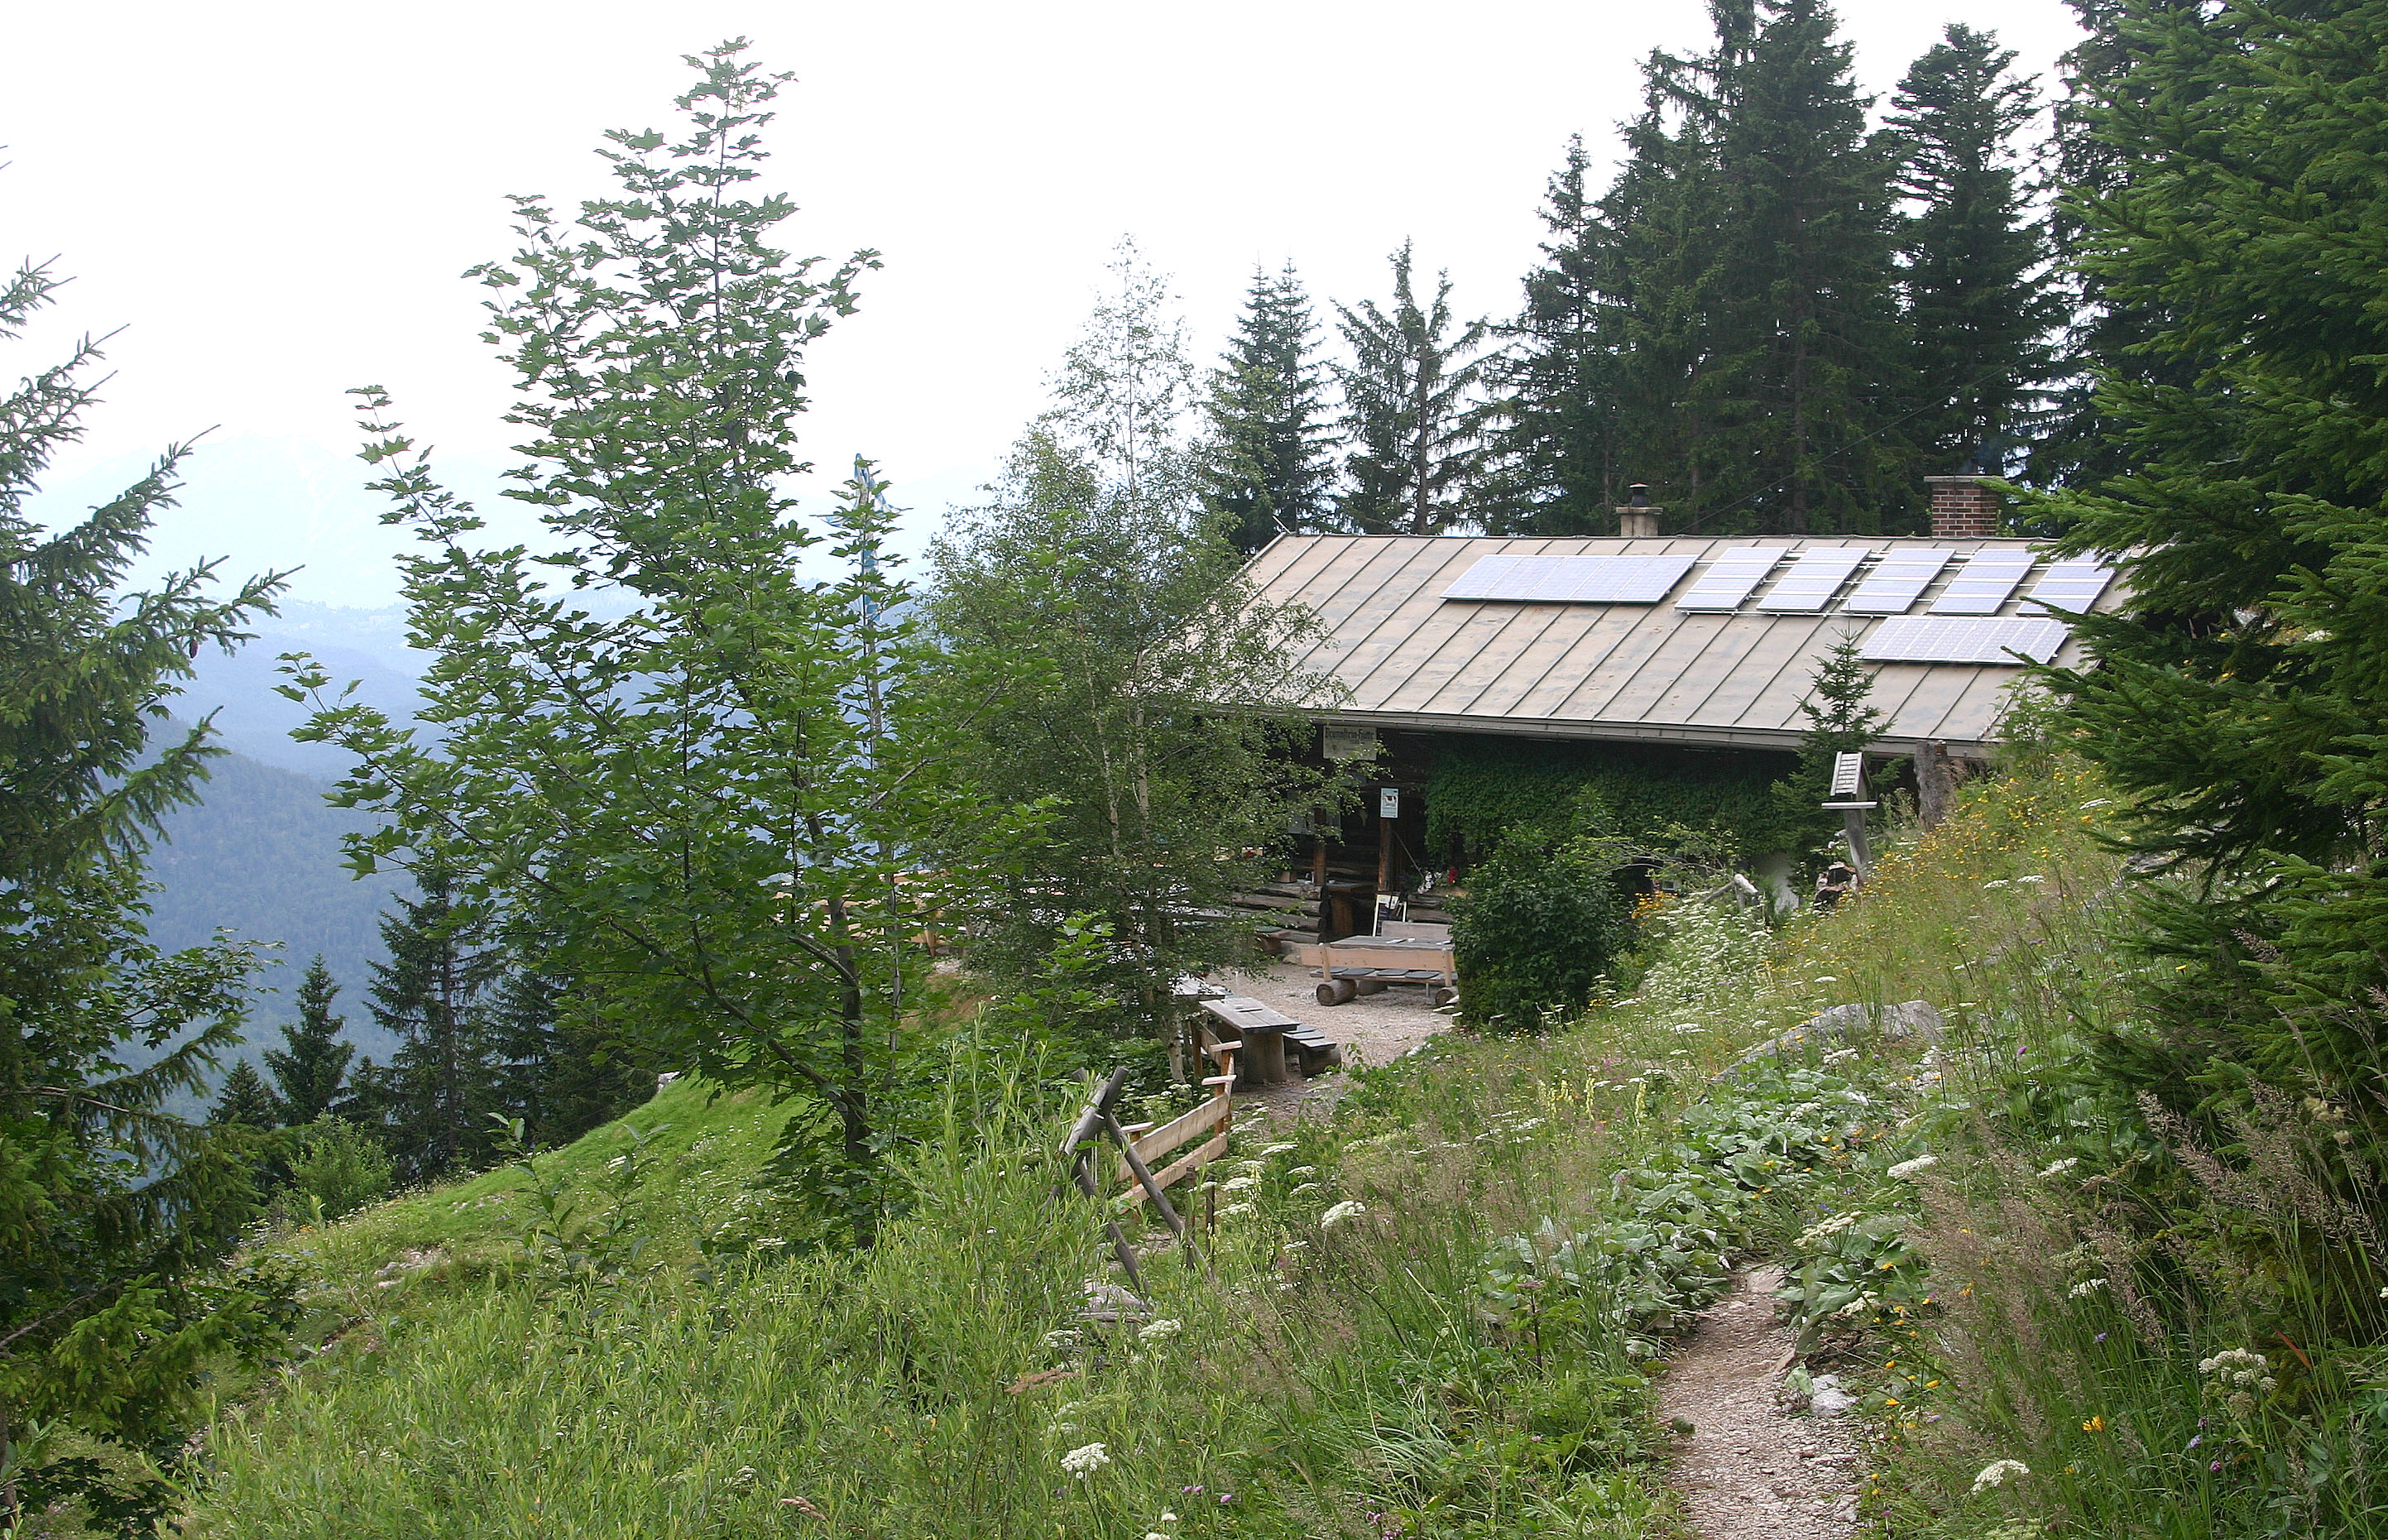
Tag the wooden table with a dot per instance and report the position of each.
(1384, 958)
(1263, 1028)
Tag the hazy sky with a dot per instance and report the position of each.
(275, 201)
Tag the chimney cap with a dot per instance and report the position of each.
(1638, 495)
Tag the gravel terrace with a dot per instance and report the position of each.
(1373, 1029)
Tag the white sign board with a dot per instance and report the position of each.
(1348, 743)
(1389, 802)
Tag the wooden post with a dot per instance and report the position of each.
(1082, 1135)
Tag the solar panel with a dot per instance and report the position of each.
(1731, 577)
(1933, 639)
(1571, 579)
(1815, 577)
(2072, 584)
(1983, 583)
(1897, 579)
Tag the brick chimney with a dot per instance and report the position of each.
(1638, 520)
(1963, 507)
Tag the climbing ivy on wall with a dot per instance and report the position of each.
(1481, 789)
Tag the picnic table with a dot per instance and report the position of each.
(1351, 966)
(1265, 1031)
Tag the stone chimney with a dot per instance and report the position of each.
(1963, 507)
(1638, 520)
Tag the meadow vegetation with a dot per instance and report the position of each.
(1440, 1311)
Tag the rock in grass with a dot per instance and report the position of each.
(1893, 1024)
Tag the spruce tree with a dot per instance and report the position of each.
(1411, 410)
(1555, 468)
(2239, 690)
(112, 1207)
(310, 1069)
(245, 1102)
(1805, 366)
(431, 1103)
(557, 1067)
(1667, 209)
(1842, 719)
(1268, 469)
(1980, 307)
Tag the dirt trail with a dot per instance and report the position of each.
(1747, 1471)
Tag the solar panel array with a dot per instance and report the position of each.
(1732, 575)
(1982, 585)
(2072, 584)
(1572, 579)
(1945, 639)
(1898, 580)
(1814, 577)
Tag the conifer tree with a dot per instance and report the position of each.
(2239, 690)
(1979, 305)
(431, 1103)
(110, 1204)
(559, 1069)
(310, 1069)
(1554, 447)
(1842, 719)
(1667, 209)
(1411, 410)
(1268, 469)
(245, 1102)
(1804, 370)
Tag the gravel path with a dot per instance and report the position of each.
(1747, 1471)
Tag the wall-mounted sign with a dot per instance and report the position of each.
(1348, 743)
(1389, 802)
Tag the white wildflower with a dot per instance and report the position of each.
(1349, 1208)
(1236, 1211)
(1280, 1148)
(1824, 1228)
(2000, 883)
(1685, 1029)
(1085, 1461)
(2058, 1169)
(1295, 1246)
(2236, 1366)
(1239, 1184)
(1909, 1168)
(2021, 881)
(1156, 1535)
(1301, 1171)
(1996, 1472)
(1160, 1331)
(1061, 1339)
(1167, 1517)
(1307, 1186)
(1825, 978)
(2090, 1287)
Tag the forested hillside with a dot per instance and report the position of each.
(260, 854)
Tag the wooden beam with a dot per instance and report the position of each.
(1179, 1170)
(1179, 1130)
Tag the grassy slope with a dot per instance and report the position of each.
(1460, 1359)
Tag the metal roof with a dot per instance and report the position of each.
(1642, 671)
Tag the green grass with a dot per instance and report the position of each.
(709, 1149)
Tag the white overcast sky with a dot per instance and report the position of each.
(274, 201)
